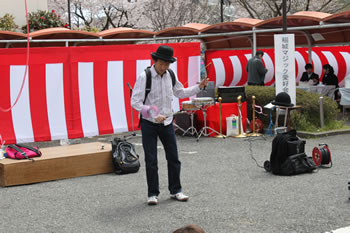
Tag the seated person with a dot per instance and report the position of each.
(310, 75)
(329, 77)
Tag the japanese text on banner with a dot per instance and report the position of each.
(285, 65)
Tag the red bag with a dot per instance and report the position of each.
(18, 151)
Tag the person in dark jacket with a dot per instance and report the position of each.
(310, 75)
(329, 78)
(256, 70)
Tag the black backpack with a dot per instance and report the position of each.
(297, 164)
(124, 157)
(288, 155)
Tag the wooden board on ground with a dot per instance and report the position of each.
(58, 163)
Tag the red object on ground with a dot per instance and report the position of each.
(213, 121)
(320, 157)
(258, 126)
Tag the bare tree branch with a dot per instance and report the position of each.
(252, 13)
(160, 14)
(80, 14)
(307, 5)
(324, 5)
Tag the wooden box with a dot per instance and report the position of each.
(58, 163)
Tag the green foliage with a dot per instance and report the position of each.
(43, 19)
(90, 29)
(7, 23)
(309, 118)
(305, 119)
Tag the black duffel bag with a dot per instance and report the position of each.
(124, 157)
(297, 164)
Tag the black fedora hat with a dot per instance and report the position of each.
(283, 99)
(164, 53)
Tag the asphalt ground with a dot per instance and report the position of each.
(228, 193)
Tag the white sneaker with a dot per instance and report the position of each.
(179, 196)
(153, 200)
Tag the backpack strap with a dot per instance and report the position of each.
(148, 88)
(148, 82)
(172, 75)
(38, 152)
(16, 148)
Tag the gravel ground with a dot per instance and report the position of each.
(228, 193)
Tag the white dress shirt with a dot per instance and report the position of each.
(161, 94)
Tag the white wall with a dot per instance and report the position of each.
(17, 8)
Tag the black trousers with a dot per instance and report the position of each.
(150, 133)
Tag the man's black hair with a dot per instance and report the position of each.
(259, 52)
(156, 59)
(308, 66)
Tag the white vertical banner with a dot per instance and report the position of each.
(175, 103)
(219, 71)
(87, 98)
(194, 73)
(116, 101)
(21, 115)
(55, 101)
(285, 65)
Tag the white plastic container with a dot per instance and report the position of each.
(232, 126)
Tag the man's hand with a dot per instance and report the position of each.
(204, 83)
(160, 118)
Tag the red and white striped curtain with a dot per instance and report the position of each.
(78, 92)
(229, 66)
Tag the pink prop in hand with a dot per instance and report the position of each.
(149, 111)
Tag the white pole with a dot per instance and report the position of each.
(254, 42)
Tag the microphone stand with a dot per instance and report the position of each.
(133, 134)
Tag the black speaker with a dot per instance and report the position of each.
(230, 94)
(182, 120)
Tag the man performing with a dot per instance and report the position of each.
(256, 70)
(161, 94)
